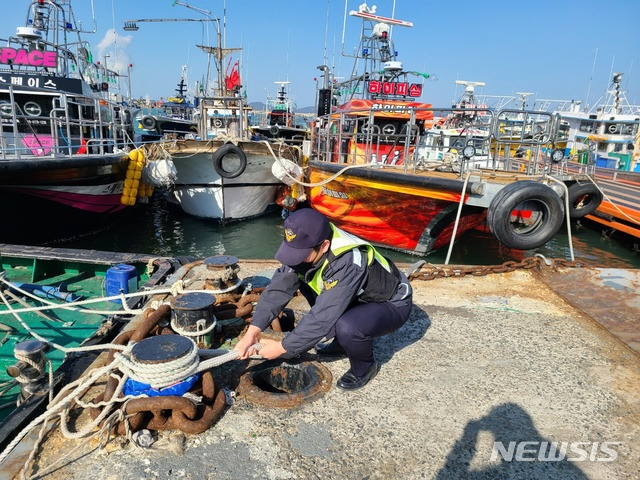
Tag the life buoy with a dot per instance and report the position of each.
(525, 215)
(217, 123)
(274, 130)
(221, 153)
(584, 198)
(613, 128)
(149, 123)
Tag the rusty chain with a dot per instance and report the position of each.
(427, 271)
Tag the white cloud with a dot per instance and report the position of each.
(115, 46)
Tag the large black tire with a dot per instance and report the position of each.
(584, 198)
(148, 122)
(525, 215)
(274, 130)
(221, 153)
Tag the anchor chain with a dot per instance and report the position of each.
(431, 272)
(174, 412)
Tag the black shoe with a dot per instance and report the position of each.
(350, 382)
(333, 349)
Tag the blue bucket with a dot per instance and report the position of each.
(121, 277)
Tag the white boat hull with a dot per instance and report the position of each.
(202, 192)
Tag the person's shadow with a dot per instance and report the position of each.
(510, 426)
(412, 331)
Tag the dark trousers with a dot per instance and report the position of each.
(360, 324)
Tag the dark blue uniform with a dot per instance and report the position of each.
(351, 307)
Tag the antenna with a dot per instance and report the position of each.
(523, 98)
(469, 87)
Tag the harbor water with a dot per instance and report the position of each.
(162, 229)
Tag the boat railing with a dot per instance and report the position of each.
(231, 109)
(75, 124)
(418, 138)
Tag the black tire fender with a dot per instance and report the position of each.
(584, 198)
(148, 122)
(274, 130)
(218, 157)
(546, 217)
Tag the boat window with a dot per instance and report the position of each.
(586, 127)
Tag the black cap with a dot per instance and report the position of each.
(303, 230)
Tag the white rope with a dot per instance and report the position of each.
(318, 184)
(175, 289)
(455, 226)
(197, 333)
(567, 213)
(49, 342)
(62, 403)
(159, 375)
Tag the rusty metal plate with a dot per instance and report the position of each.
(611, 296)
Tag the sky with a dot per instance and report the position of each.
(560, 49)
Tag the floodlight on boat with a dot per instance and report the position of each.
(469, 151)
(131, 26)
(557, 155)
(380, 30)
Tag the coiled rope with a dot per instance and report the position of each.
(156, 375)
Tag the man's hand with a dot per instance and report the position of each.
(244, 345)
(271, 349)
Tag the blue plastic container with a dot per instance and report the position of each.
(122, 277)
(601, 162)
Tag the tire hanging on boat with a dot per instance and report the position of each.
(584, 198)
(525, 215)
(221, 153)
(274, 130)
(148, 122)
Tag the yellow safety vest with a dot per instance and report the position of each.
(342, 242)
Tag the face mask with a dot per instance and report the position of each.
(302, 268)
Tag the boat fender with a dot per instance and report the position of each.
(525, 196)
(223, 151)
(274, 130)
(148, 122)
(584, 198)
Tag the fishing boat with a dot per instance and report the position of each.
(465, 125)
(57, 306)
(608, 133)
(223, 174)
(280, 120)
(174, 118)
(64, 142)
(379, 167)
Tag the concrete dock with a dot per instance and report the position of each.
(491, 377)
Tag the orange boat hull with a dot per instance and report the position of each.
(391, 209)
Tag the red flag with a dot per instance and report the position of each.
(232, 79)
